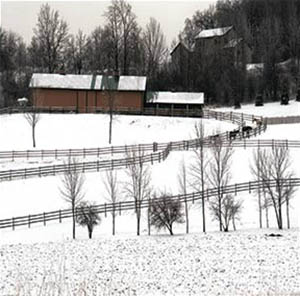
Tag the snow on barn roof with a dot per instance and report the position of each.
(132, 83)
(213, 32)
(61, 81)
(129, 83)
(167, 97)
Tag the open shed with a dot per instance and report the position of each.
(175, 100)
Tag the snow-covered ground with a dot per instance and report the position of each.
(269, 109)
(213, 264)
(236, 263)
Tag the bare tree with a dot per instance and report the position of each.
(110, 84)
(276, 165)
(122, 22)
(183, 185)
(72, 187)
(111, 186)
(50, 35)
(154, 43)
(165, 211)
(138, 186)
(86, 215)
(199, 167)
(255, 170)
(219, 176)
(230, 209)
(76, 53)
(32, 118)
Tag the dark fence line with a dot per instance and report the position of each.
(96, 166)
(123, 206)
(238, 118)
(205, 113)
(284, 120)
(93, 166)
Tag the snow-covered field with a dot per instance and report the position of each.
(237, 263)
(245, 262)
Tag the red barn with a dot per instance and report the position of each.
(88, 93)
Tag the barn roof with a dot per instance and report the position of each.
(167, 97)
(132, 83)
(213, 32)
(96, 82)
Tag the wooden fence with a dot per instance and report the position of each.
(96, 166)
(283, 120)
(92, 166)
(123, 206)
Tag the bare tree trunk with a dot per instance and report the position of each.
(187, 226)
(267, 217)
(114, 222)
(110, 126)
(148, 217)
(202, 186)
(138, 220)
(259, 208)
(233, 223)
(288, 213)
(74, 220)
(33, 135)
(90, 230)
(220, 209)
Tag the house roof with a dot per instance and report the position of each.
(213, 32)
(182, 43)
(96, 82)
(168, 97)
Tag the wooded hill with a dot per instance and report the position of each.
(269, 28)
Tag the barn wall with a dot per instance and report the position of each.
(86, 100)
(122, 99)
(54, 98)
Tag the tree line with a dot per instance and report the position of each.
(271, 29)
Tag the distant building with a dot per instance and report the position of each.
(223, 40)
(87, 93)
(175, 100)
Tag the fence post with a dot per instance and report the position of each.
(83, 152)
(28, 221)
(55, 153)
(59, 216)
(105, 210)
(13, 155)
(235, 189)
(249, 186)
(120, 208)
(13, 223)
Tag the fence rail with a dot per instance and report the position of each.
(96, 166)
(92, 166)
(237, 118)
(120, 207)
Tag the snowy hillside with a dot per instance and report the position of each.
(269, 109)
(246, 262)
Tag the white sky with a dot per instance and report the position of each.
(21, 16)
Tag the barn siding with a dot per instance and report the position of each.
(86, 100)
